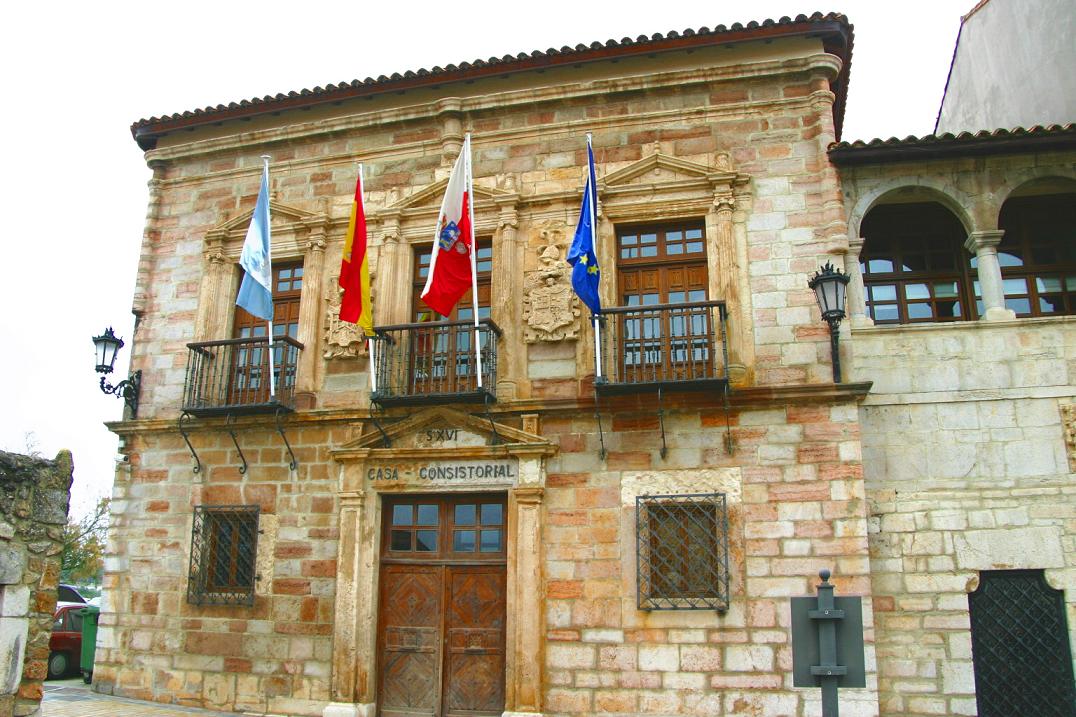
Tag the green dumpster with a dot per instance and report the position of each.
(90, 614)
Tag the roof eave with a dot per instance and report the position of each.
(835, 32)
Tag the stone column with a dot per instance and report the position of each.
(984, 244)
(310, 310)
(741, 323)
(857, 294)
(525, 654)
(507, 311)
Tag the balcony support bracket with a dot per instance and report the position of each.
(496, 439)
(230, 423)
(661, 421)
(280, 429)
(185, 420)
(598, 417)
(377, 424)
(730, 448)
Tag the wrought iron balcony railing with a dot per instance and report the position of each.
(434, 362)
(664, 346)
(232, 376)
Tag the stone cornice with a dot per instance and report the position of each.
(740, 398)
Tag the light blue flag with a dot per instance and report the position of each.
(256, 291)
(585, 271)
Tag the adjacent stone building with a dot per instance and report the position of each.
(34, 497)
(606, 519)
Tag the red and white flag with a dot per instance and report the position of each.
(452, 267)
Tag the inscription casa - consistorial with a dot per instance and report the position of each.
(450, 472)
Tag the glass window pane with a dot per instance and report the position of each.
(1020, 306)
(464, 514)
(427, 515)
(694, 247)
(879, 266)
(426, 541)
(914, 262)
(696, 295)
(674, 249)
(298, 272)
(1015, 286)
(492, 513)
(491, 541)
(920, 311)
(650, 251)
(674, 236)
(1009, 258)
(649, 239)
(916, 291)
(463, 541)
(1048, 283)
(629, 240)
(1051, 304)
(694, 234)
(949, 309)
(401, 540)
(883, 292)
(945, 289)
(401, 515)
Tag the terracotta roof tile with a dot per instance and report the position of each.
(834, 28)
(1017, 139)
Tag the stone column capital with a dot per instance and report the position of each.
(528, 495)
(855, 245)
(984, 241)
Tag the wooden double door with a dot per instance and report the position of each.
(441, 631)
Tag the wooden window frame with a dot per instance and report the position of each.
(881, 247)
(1036, 227)
(445, 528)
(667, 531)
(206, 584)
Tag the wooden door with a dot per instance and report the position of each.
(441, 637)
(411, 611)
(474, 640)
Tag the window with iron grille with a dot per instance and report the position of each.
(224, 544)
(1020, 646)
(683, 552)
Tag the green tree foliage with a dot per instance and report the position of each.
(83, 552)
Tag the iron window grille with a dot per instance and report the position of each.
(224, 545)
(682, 549)
(1020, 646)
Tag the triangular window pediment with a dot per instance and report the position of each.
(431, 196)
(283, 218)
(442, 429)
(659, 169)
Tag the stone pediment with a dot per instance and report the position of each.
(282, 218)
(445, 431)
(430, 197)
(663, 169)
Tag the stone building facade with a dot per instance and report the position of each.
(549, 540)
(34, 497)
(967, 430)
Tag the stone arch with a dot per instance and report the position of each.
(911, 189)
(1049, 183)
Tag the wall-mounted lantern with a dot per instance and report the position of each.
(107, 346)
(830, 288)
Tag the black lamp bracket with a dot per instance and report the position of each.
(128, 389)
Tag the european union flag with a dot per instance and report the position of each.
(585, 271)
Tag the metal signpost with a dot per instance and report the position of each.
(827, 643)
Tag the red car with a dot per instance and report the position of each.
(65, 645)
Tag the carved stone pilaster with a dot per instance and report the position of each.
(984, 244)
(526, 601)
(310, 308)
(506, 310)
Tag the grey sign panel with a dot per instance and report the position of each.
(805, 648)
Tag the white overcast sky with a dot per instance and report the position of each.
(76, 75)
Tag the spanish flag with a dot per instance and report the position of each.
(355, 268)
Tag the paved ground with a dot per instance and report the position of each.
(72, 698)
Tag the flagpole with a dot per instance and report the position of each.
(272, 370)
(371, 344)
(474, 252)
(591, 193)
